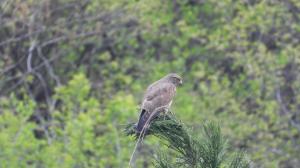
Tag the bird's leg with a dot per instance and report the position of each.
(165, 111)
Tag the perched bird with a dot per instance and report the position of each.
(157, 98)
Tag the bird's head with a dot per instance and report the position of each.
(174, 78)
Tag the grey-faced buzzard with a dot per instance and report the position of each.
(157, 98)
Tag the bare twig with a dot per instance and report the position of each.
(29, 58)
(279, 99)
(64, 38)
(285, 110)
(49, 67)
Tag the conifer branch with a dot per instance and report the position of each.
(208, 151)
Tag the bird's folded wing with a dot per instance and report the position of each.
(159, 96)
(166, 90)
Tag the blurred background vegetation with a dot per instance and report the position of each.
(73, 72)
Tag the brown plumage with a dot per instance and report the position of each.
(158, 98)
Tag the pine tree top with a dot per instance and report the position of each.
(204, 151)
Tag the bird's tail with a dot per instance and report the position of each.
(144, 116)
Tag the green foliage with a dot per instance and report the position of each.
(18, 145)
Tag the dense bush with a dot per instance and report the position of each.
(73, 72)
